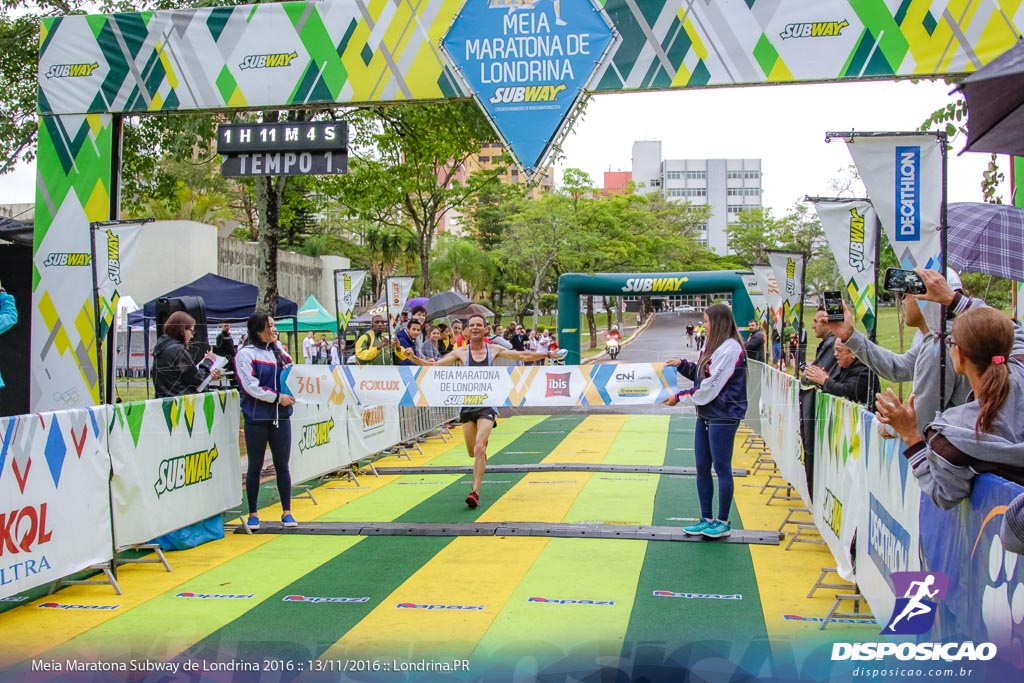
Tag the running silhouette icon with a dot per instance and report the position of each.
(914, 613)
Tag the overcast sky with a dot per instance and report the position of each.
(782, 125)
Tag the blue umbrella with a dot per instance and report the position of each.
(986, 238)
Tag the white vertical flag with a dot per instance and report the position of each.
(756, 295)
(903, 176)
(850, 228)
(347, 286)
(115, 249)
(773, 296)
(397, 293)
(789, 271)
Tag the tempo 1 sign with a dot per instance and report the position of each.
(298, 148)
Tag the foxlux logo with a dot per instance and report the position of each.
(814, 29)
(306, 598)
(316, 434)
(414, 605)
(271, 61)
(71, 70)
(185, 470)
(908, 192)
(557, 384)
(554, 601)
(857, 241)
(527, 93)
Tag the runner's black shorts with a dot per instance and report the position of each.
(474, 414)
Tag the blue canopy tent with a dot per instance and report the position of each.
(226, 300)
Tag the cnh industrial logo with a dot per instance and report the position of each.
(914, 615)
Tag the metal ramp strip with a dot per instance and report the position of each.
(640, 533)
(552, 467)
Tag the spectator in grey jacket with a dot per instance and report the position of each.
(985, 435)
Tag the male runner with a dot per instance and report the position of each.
(477, 422)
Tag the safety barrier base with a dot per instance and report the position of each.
(638, 533)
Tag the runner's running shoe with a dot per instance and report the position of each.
(698, 528)
(473, 499)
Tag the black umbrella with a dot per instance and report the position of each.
(995, 104)
(440, 305)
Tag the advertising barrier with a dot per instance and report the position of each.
(519, 386)
(55, 515)
(780, 422)
(371, 429)
(176, 461)
(887, 514)
(838, 488)
(985, 602)
(320, 442)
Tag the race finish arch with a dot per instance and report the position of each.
(573, 285)
(527, 68)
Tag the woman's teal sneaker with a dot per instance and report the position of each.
(699, 528)
(717, 529)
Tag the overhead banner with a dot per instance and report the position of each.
(347, 286)
(115, 249)
(851, 228)
(527, 64)
(176, 461)
(903, 176)
(54, 470)
(397, 292)
(772, 295)
(789, 273)
(837, 449)
(516, 386)
(887, 515)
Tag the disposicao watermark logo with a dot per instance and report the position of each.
(914, 615)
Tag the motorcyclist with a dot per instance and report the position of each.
(614, 333)
(613, 336)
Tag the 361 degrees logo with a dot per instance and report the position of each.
(914, 613)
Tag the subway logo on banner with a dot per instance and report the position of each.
(71, 70)
(908, 194)
(814, 29)
(857, 241)
(271, 61)
(68, 259)
(185, 470)
(316, 434)
(654, 284)
(527, 93)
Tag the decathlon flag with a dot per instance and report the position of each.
(115, 249)
(903, 176)
(789, 272)
(756, 295)
(397, 294)
(772, 295)
(850, 226)
(347, 286)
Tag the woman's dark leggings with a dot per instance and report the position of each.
(712, 445)
(257, 436)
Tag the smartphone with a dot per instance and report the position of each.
(833, 302)
(904, 281)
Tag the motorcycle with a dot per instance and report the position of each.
(611, 346)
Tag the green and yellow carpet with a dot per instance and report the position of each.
(320, 607)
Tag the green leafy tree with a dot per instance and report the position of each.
(460, 261)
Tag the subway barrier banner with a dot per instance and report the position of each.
(837, 448)
(518, 386)
(903, 176)
(320, 442)
(851, 227)
(176, 461)
(889, 538)
(55, 515)
(780, 422)
(985, 602)
(371, 429)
